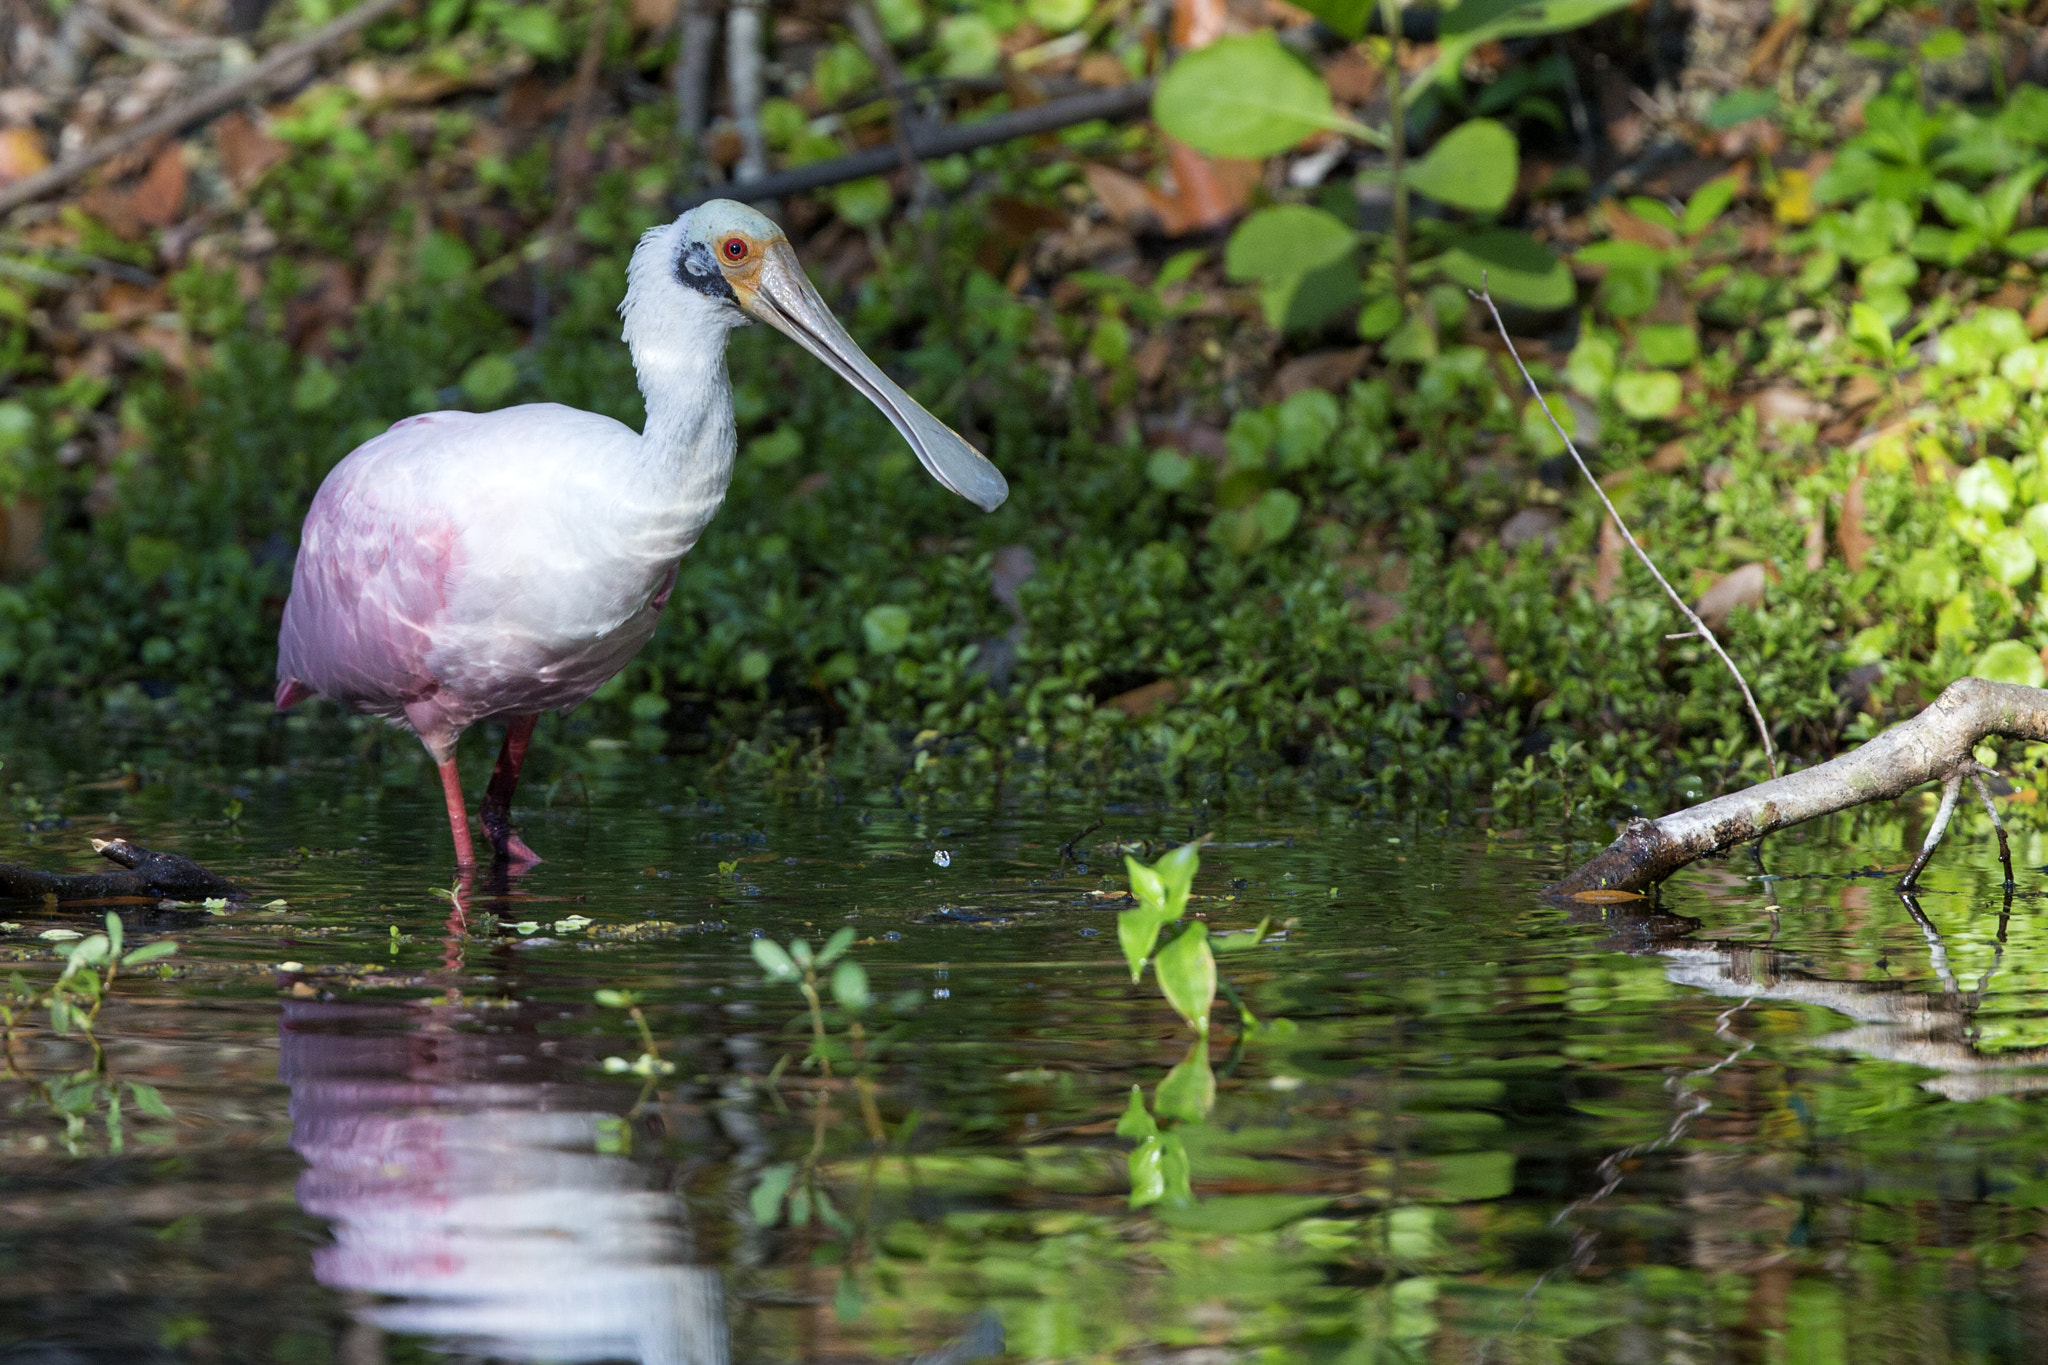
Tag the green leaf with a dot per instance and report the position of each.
(1146, 886)
(1867, 328)
(1188, 1091)
(850, 986)
(489, 378)
(1187, 975)
(92, 950)
(2009, 555)
(1136, 1122)
(1740, 106)
(774, 960)
(1668, 345)
(1242, 1213)
(2011, 661)
(836, 945)
(1283, 242)
(1274, 514)
(1471, 167)
(1512, 266)
(1380, 316)
(1136, 932)
(113, 935)
(149, 1100)
(1242, 97)
(1648, 394)
(886, 628)
(1708, 202)
(800, 952)
(2030, 242)
(619, 1000)
(1345, 18)
(766, 1200)
(1237, 943)
(150, 952)
(1590, 367)
(1148, 1178)
(1177, 870)
(863, 202)
(1987, 486)
(533, 27)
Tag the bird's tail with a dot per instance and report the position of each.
(290, 692)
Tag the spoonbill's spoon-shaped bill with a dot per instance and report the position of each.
(785, 300)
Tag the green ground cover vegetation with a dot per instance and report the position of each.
(1823, 360)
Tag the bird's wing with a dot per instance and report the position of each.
(450, 549)
(374, 558)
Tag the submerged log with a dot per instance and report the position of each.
(157, 876)
(1934, 746)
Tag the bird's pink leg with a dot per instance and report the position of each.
(458, 813)
(498, 796)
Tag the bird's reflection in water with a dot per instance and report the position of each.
(469, 1200)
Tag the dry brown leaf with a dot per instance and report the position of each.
(160, 198)
(1816, 542)
(1198, 23)
(1209, 192)
(1781, 406)
(1142, 700)
(2037, 318)
(1486, 653)
(1353, 79)
(1102, 70)
(21, 154)
(1319, 370)
(1744, 587)
(1125, 198)
(245, 151)
(1629, 228)
(1607, 564)
(1669, 458)
(655, 15)
(1851, 535)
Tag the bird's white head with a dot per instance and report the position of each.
(720, 264)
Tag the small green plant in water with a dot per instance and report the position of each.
(71, 1005)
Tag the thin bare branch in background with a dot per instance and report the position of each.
(275, 65)
(1699, 627)
(867, 28)
(697, 37)
(743, 80)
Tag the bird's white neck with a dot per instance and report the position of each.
(688, 443)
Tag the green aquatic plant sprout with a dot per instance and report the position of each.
(1161, 891)
(72, 1004)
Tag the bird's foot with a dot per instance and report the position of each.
(510, 847)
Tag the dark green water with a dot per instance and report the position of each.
(1500, 1130)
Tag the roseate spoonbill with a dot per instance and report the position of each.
(464, 566)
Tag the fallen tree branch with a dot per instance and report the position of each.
(1934, 746)
(1699, 627)
(930, 143)
(157, 876)
(199, 108)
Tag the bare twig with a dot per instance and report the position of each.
(1951, 788)
(902, 114)
(699, 34)
(1699, 627)
(1934, 746)
(276, 64)
(1977, 775)
(1120, 102)
(743, 79)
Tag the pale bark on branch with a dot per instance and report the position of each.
(1934, 746)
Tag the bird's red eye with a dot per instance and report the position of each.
(735, 249)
